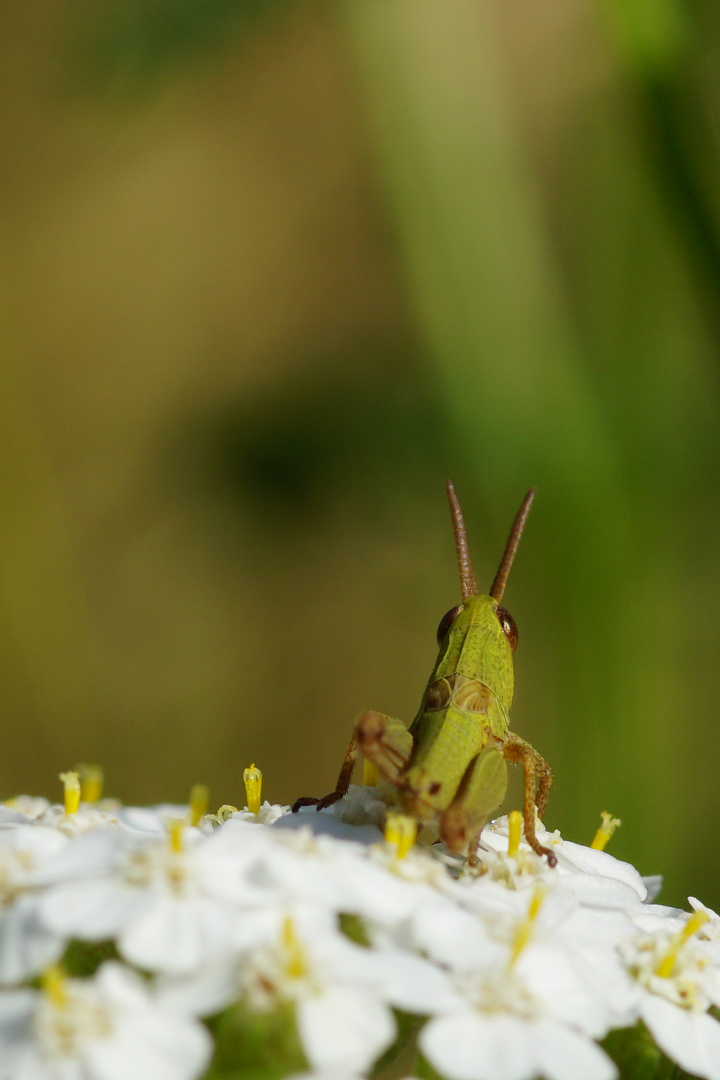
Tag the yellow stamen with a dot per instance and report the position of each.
(252, 778)
(524, 930)
(665, 968)
(515, 823)
(71, 780)
(295, 962)
(175, 835)
(199, 799)
(400, 832)
(608, 827)
(370, 774)
(53, 982)
(91, 782)
(226, 811)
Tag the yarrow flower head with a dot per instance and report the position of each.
(167, 941)
(108, 1027)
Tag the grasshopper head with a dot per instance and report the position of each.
(478, 645)
(469, 613)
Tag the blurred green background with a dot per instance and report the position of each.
(272, 270)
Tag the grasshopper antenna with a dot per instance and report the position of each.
(467, 574)
(498, 585)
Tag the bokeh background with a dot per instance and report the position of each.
(271, 271)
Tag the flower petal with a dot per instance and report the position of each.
(692, 1040)
(343, 1030)
(178, 935)
(153, 1045)
(471, 1046)
(26, 946)
(92, 910)
(562, 1054)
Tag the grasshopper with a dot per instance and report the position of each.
(449, 767)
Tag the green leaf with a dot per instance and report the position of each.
(408, 1025)
(424, 1070)
(637, 1057)
(353, 928)
(255, 1046)
(82, 958)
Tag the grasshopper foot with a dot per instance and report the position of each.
(540, 850)
(319, 804)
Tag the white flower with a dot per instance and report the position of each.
(586, 936)
(105, 1028)
(290, 864)
(653, 884)
(151, 819)
(343, 1028)
(710, 931)
(383, 889)
(171, 903)
(595, 877)
(29, 807)
(672, 965)
(26, 946)
(298, 955)
(473, 1045)
(362, 805)
(519, 871)
(86, 817)
(342, 876)
(453, 936)
(519, 1019)
(691, 1039)
(676, 982)
(268, 814)
(524, 1008)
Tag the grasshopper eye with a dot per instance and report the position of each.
(446, 622)
(509, 628)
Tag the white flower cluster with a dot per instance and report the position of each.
(332, 938)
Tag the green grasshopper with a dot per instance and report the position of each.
(450, 766)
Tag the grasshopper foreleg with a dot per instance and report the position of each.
(538, 778)
(384, 741)
(343, 780)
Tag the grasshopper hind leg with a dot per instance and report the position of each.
(481, 791)
(538, 779)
